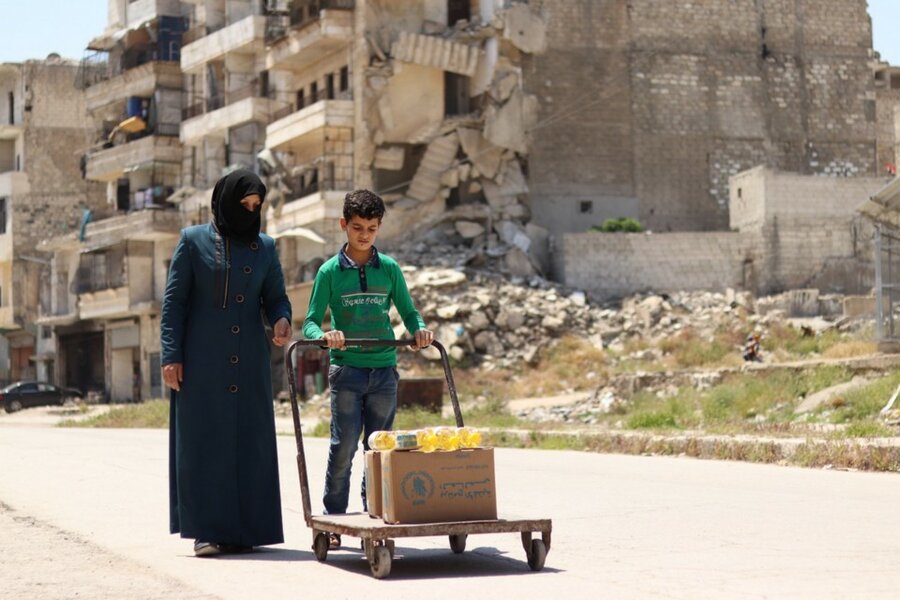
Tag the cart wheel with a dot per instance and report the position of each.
(320, 546)
(538, 555)
(381, 562)
(458, 543)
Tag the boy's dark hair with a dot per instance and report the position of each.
(364, 204)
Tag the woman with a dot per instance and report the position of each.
(223, 466)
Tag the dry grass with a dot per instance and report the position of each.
(851, 348)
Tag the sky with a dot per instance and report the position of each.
(39, 27)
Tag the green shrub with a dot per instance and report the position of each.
(621, 224)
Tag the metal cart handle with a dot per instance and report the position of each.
(350, 343)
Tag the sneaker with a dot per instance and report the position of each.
(205, 548)
(334, 541)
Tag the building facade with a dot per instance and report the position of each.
(654, 105)
(44, 125)
(108, 279)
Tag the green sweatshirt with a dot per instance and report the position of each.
(359, 299)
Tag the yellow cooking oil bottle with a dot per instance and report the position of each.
(382, 440)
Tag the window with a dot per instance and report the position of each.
(314, 92)
(586, 206)
(3, 203)
(457, 10)
(301, 99)
(12, 109)
(329, 86)
(345, 79)
(456, 94)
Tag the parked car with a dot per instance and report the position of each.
(24, 394)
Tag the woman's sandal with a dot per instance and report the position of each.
(334, 541)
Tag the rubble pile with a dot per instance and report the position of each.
(483, 313)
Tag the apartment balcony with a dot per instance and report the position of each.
(10, 132)
(8, 319)
(112, 163)
(247, 36)
(105, 304)
(314, 208)
(59, 316)
(138, 81)
(302, 131)
(14, 183)
(301, 43)
(219, 119)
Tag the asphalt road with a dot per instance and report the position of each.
(83, 513)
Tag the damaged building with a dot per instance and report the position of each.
(108, 277)
(42, 123)
(508, 127)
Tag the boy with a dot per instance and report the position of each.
(358, 285)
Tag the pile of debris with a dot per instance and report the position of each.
(481, 310)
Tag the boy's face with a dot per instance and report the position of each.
(361, 233)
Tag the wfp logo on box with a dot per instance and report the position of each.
(417, 487)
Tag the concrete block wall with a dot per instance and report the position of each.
(656, 103)
(614, 265)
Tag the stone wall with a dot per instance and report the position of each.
(56, 133)
(655, 104)
(614, 265)
(789, 231)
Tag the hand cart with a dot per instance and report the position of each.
(378, 537)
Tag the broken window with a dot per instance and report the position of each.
(457, 10)
(456, 94)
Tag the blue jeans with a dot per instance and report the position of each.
(363, 400)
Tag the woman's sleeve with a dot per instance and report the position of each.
(274, 297)
(175, 306)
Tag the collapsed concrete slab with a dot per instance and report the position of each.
(440, 53)
(510, 125)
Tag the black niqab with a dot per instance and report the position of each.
(230, 217)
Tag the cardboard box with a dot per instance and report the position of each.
(435, 487)
(373, 483)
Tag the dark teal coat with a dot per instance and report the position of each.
(223, 466)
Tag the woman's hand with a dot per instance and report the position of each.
(173, 374)
(281, 332)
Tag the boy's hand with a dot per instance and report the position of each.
(424, 337)
(335, 339)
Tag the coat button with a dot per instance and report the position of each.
(235, 329)
(254, 245)
(233, 389)
(239, 298)
(234, 359)
(248, 269)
